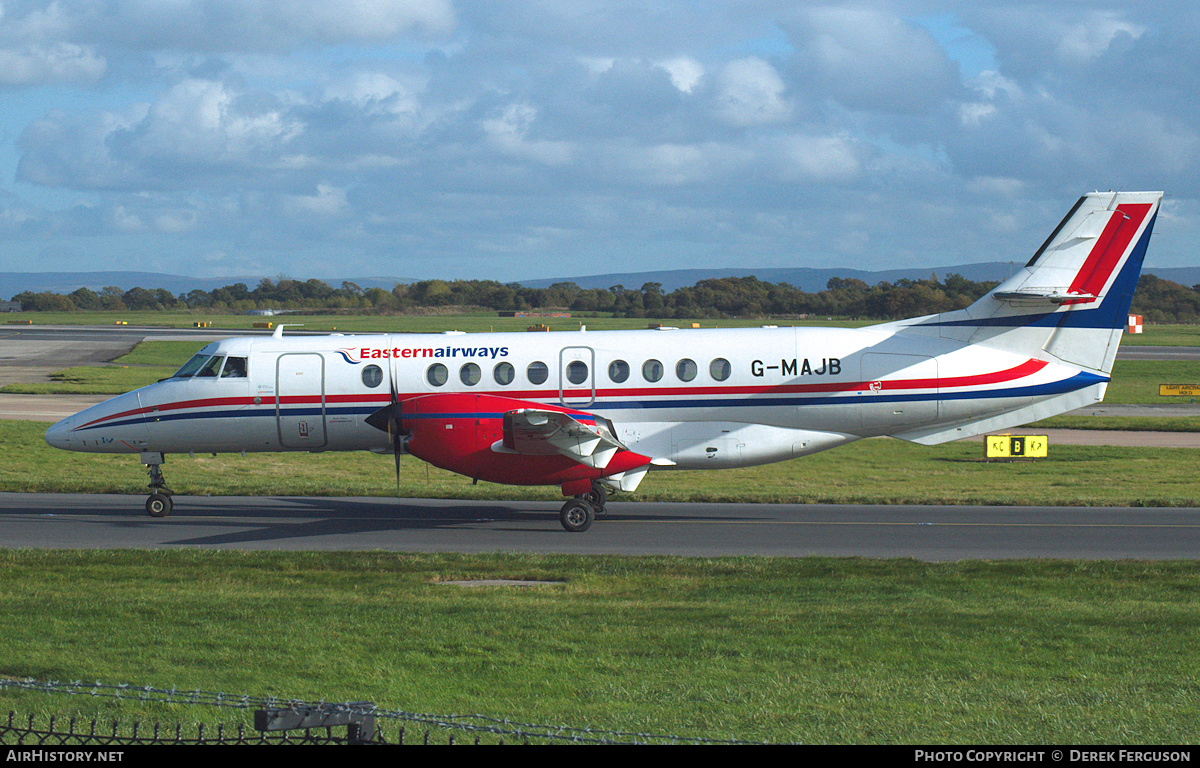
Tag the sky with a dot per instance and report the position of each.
(528, 139)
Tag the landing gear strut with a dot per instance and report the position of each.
(579, 513)
(159, 503)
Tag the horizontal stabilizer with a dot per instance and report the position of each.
(1041, 297)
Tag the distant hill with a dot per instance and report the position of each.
(806, 279)
(813, 280)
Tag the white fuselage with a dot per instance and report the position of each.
(690, 398)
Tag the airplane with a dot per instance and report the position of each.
(593, 411)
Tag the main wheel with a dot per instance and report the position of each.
(159, 505)
(577, 515)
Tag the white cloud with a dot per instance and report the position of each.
(867, 58)
(328, 201)
(238, 25)
(508, 132)
(208, 122)
(820, 158)
(1082, 40)
(685, 72)
(751, 92)
(61, 62)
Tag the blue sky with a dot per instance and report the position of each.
(527, 139)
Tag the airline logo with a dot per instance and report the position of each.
(357, 355)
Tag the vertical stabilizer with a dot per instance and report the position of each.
(1071, 300)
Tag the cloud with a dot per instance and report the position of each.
(1034, 39)
(263, 25)
(869, 59)
(509, 131)
(501, 138)
(57, 63)
(751, 92)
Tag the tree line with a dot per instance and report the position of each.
(1158, 300)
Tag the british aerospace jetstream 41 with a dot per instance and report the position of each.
(592, 412)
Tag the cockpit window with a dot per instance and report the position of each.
(212, 367)
(191, 366)
(209, 366)
(235, 368)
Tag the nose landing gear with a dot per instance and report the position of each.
(159, 503)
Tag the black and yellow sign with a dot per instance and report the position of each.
(1182, 390)
(1017, 446)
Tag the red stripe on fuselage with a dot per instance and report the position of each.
(1027, 368)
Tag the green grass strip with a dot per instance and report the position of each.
(808, 650)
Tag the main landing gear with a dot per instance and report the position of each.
(159, 503)
(579, 513)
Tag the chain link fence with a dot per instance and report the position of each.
(365, 723)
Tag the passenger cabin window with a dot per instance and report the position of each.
(504, 373)
(685, 370)
(577, 372)
(652, 370)
(372, 376)
(537, 373)
(618, 371)
(469, 374)
(719, 369)
(437, 375)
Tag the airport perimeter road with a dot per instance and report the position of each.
(931, 533)
(1131, 352)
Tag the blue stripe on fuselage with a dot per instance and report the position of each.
(1079, 381)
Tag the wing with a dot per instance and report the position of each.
(538, 432)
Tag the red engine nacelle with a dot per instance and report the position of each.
(456, 431)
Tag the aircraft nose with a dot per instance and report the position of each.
(59, 435)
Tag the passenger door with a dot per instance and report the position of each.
(577, 377)
(300, 400)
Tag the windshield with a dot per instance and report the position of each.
(212, 366)
(191, 366)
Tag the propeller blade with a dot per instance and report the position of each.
(394, 431)
(389, 419)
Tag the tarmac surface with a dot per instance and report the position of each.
(928, 533)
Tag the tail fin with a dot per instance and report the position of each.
(1071, 301)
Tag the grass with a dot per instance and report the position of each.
(808, 650)
(1137, 381)
(1120, 423)
(1166, 335)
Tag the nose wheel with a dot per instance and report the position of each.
(159, 503)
